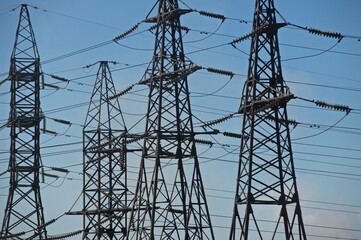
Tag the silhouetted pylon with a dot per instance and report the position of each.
(24, 210)
(266, 204)
(105, 189)
(170, 201)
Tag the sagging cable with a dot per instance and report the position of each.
(121, 36)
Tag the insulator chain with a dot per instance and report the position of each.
(121, 36)
(59, 78)
(102, 145)
(218, 121)
(125, 91)
(261, 105)
(289, 121)
(325, 33)
(337, 107)
(234, 135)
(12, 236)
(204, 142)
(50, 175)
(61, 121)
(48, 223)
(245, 37)
(60, 169)
(267, 106)
(51, 85)
(153, 27)
(212, 15)
(68, 235)
(48, 131)
(183, 75)
(222, 72)
(135, 139)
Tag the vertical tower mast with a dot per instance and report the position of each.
(170, 201)
(266, 182)
(24, 210)
(105, 177)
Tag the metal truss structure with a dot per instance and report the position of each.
(266, 182)
(105, 192)
(24, 211)
(170, 201)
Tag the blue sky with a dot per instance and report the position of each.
(327, 159)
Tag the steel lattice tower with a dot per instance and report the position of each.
(24, 210)
(170, 201)
(105, 177)
(266, 182)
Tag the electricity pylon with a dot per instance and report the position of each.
(266, 181)
(170, 201)
(105, 189)
(24, 210)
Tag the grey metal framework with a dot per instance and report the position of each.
(105, 203)
(266, 182)
(170, 201)
(24, 210)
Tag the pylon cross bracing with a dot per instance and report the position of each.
(105, 191)
(24, 209)
(170, 201)
(266, 181)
